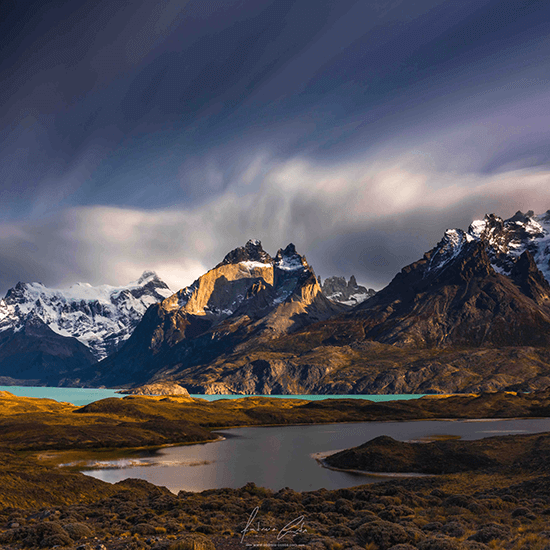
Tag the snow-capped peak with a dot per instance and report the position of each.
(252, 251)
(477, 227)
(146, 276)
(505, 240)
(101, 317)
(249, 265)
(450, 246)
(289, 260)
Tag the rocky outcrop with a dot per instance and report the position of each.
(159, 388)
(385, 454)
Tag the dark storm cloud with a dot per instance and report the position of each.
(152, 84)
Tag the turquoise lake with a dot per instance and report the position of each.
(83, 396)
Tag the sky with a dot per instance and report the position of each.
(161, 134)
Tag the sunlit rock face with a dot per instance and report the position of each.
(159, 388)
(249, 284)
(249, 296)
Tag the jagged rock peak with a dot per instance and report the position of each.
(289, 260)
(497, 231)
(252, 251)
(505, 241)
(349, 292)
(519, 216)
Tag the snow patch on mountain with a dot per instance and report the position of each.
(448, 249)
(250, 265)
(354, 299)
(289, 264)
(100, 317)
(289, 260)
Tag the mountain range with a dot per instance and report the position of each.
(50, 336)
(99, 317)
(248, 297)
(472, 314)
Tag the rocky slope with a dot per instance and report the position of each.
(248, 297)
(35, 355)
(473, 314)
(456, 298)
(345, 292)
(49, 335)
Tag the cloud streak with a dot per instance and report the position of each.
(368, 218)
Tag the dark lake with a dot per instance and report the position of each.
(278, 457)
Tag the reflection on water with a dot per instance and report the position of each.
(125, 463)
(278, 457)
